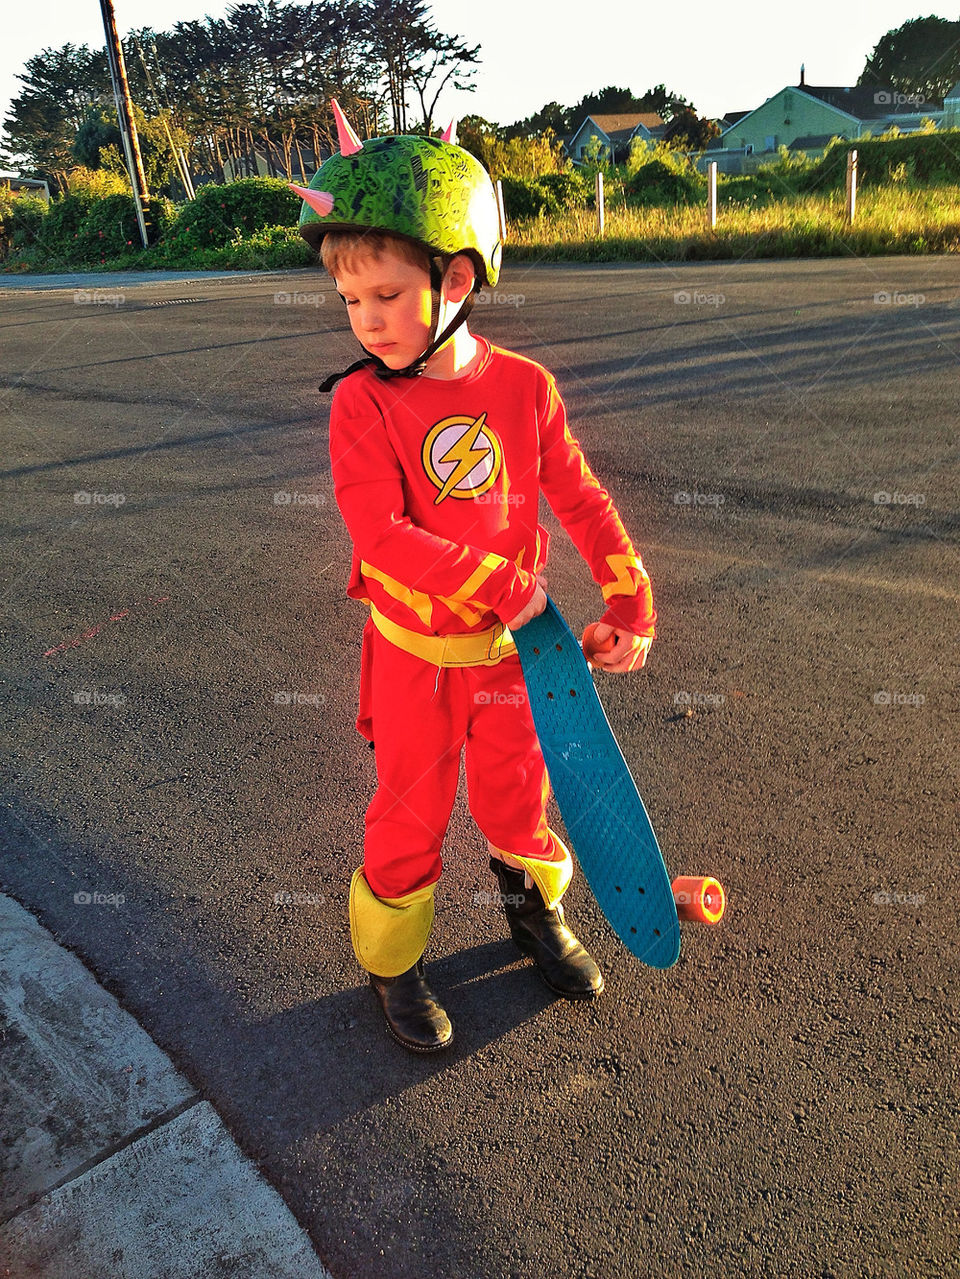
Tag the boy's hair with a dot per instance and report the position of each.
(340, 249)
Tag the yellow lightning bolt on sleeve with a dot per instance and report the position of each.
(466, 456)
(620, 566)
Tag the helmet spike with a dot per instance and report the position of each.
(320, 201)
(450, 132)
(348, 140)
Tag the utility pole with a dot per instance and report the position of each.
(128, 128)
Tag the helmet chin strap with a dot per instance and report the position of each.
(436, 342)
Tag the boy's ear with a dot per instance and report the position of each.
(459, 277)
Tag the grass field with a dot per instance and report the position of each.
(889, 219)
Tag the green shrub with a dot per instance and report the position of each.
(108, 229)
(659, 183)
(522, 197)
(565, 190)
(61, 227)
(271, 248)
(21, 220)
(549, 194)
(913, 159)
(219, 213)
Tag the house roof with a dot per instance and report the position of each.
(624, 121)
(731, 117)
(866, 102)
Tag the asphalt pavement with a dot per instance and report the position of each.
(184, 790)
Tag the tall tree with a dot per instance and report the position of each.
(689, 132)
(59, 86)
(552, 116)
(411, 53)
(921, 57)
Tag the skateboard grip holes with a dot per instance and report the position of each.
(537, 651)
(632, 929)
(618, 888)
(559, 648)
(550, 697)
(656, 932)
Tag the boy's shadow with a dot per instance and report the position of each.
(343, 1059)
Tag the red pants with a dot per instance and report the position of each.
(420, 719)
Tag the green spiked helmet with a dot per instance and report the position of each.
(428, 190)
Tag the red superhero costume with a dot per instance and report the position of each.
(438, 482)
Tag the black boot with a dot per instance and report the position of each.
(413, 1012)
(540, 933)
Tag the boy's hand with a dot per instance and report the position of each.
(532, 610)
(614, 650)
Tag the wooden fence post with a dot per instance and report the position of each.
(712, 194)
(500, 213)
(851, 186)
(600, 219)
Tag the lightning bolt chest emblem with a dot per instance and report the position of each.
(462, 457)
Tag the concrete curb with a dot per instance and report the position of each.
(111, 1164)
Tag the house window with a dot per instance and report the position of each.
(770, 142)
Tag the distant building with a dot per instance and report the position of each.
(25, 186)
(615, 133)
(804, 117)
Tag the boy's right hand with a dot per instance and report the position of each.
(536, 606)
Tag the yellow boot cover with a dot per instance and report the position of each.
(553, 877)
(389, 933)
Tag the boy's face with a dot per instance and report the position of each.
(389, 302)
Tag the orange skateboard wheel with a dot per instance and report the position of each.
(699, 898)
(590, 645)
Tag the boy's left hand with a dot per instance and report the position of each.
(614, 650)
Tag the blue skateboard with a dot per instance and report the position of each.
(599, 801)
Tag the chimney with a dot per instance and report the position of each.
(803, 73)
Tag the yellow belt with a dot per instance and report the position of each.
(476, 648)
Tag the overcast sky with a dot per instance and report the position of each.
(724, 57)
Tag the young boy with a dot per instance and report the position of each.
(440, 445)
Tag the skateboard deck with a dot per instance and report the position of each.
(595, 792)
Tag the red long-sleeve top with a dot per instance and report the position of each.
(439, 481)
